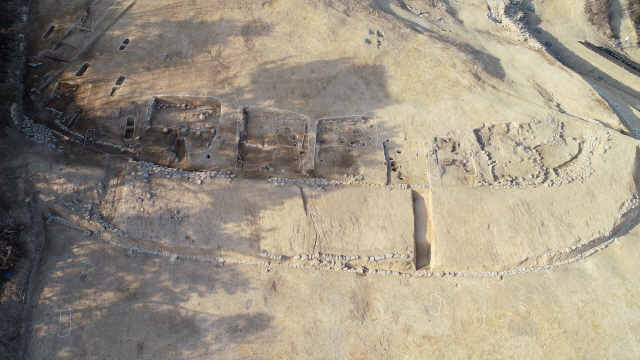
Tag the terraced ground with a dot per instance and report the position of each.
(323, 179)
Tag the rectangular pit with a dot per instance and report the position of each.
(271, 139)
(82, 69)
(195, 120)
(124, 44)
(454, 163)
(407, 161)
(48, 33)
(345, 146)
(129, 127)
(423, 229)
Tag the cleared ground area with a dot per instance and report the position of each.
(346, 179)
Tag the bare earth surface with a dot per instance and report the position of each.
(323, 180)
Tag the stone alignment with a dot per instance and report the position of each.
(319, 264)
(450, 163)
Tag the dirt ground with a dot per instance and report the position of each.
(346, 179)
(145, 307)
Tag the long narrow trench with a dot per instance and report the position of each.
(49, 32)
(422, 233)
(181, 150)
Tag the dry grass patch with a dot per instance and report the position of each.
(634, 13)
(599, 15)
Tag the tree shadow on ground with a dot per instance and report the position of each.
(150, 307)
(339, 87)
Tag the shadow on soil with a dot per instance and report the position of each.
(142, 302)
(341, 85)
(587, 70)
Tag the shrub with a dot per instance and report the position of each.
(9, 94)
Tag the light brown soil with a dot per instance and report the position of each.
(327, 179)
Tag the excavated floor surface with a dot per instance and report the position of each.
(326, 179)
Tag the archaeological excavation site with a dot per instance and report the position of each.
(320, 179)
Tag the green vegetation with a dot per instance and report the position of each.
(9, 94)
(634, 11)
